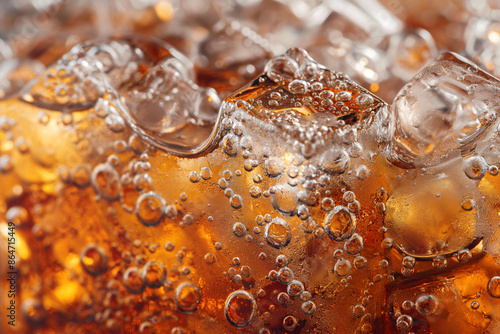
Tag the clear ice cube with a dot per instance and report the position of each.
(444, 108)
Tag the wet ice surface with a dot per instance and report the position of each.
(149, 83)
(313, 204)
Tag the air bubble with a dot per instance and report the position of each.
(150, 208)
(277, 233)
(340, 224)
(154, 274)
(240, 308)
(187, 297)
(94, 260)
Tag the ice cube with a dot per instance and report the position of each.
(148, 82)
(444, 108)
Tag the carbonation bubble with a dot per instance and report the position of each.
(364, 100)
(342, 267)
(194, 177)
(154, 274)
(150, 208)
(171, 212)
(360, 262)
(255, 191)
(295, 288)
(210, 258)
(298, 87)
(134, 280)
(230, 145)
(187, 297)
(206, 173)
(343, 96)
(285, 275)
(245, 271)
(475, 167)
(33, 311)
(94, 260)
(404, 322)
(240, 308)
(468, 204)
(289, 323)
(408, 262)
(236, 201)
(277, 233)
(283, 298)
(474, 305)
(308, 307)
(239, 229)
(285, 199)
(274, 167)
(494, 287)
(81, 176)
(426, 305)
(281, 260)
(358, 311)
(327, 204)
(464, 255)
(354, 245)
(17, 215)
(340, 224)
(106, 182)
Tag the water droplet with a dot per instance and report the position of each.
(240, 308)
(277, 233)
(187, 297)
